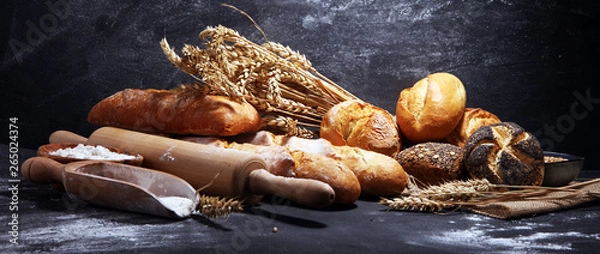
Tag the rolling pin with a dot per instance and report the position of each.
(221, 172)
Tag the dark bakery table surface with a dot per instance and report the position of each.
(49, 221)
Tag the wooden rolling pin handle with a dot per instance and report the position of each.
(66, 137)
(42, 170)
(308, 192)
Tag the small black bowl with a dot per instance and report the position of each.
(563, 172)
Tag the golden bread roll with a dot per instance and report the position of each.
(505, 153)
(431, 109)
(360, 124)
(432, 163)
(378, 174)
(165, 111)
(330, 171)
(472, 119)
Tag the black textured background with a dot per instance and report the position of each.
(526, 61)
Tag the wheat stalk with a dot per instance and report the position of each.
(275, 79)
(475, 192)
(418, 204)
(214, 207)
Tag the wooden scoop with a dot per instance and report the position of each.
(240, 174)
(117, 185)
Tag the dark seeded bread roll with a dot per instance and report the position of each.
(432, 162)
(505, 153)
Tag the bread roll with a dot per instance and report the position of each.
(504, 153)
(330, 171)
(432, 163)
(378, 174)
(472, 119)
(431, 109)
(360, 124)
(163, 111)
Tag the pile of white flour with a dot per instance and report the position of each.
(86, 152)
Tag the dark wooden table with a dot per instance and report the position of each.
(49, 221)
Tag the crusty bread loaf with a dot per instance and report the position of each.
(431, 109)
(360, 124)
(330, 171)
(472, 119)
(165, 111)
(432, 163)
(378, 174)
(505, 153)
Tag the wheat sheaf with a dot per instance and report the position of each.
(280, 83)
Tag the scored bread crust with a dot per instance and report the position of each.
(431, 108)
(360, 124)
(164, 111)
(505, 153)
(472, 119)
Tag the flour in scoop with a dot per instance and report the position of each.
(183, 207)
(86, 152)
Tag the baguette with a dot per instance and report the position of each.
(165, 111)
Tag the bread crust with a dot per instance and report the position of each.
(431, 109)
(376, 173)
(472, 119)
(360, 124)
(432, 163)
(164, 111)
(505, 153)
(328, 170)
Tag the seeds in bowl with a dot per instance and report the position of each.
(87, 152)
(550, 159)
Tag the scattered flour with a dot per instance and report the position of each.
(183, 207)
(90, 153)
(526, 237)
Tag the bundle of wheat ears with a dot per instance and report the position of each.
(279, 82)
(476, 192)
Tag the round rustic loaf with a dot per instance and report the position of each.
(432, 162)
(472, 119)
(504, 153)
(431, 109)
(360, 124)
